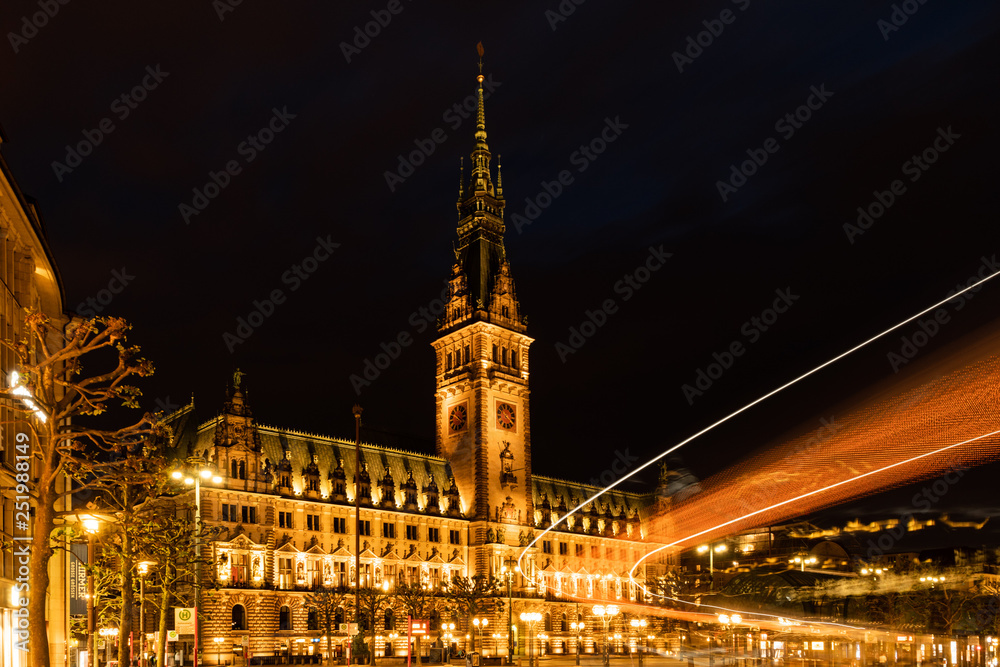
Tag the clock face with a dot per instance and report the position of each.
(506, 416)
(458, 417)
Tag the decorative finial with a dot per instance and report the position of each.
(499, 178)
(480, 51)
(461, 174)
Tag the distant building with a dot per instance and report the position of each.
(286, 503)
(30, 282)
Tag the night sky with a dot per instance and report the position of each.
(832, 100)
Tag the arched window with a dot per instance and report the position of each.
(338, 616)
(365, 622)
(466, 354)
(235, 470)
(390, 620)
(505, 311)
(239, 617)
(496, 355)
(284, 619)
(312, 620)
(435, 620)
(503, 356)
(243, 469)
(447, 361)
(548, 622)
(563, 626)
(513, 358)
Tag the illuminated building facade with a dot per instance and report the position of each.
(286, 503)
(30, 282)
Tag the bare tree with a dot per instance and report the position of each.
(327, 601)
(475, 595)
(57, 399)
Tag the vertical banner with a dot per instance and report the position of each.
(78, 580)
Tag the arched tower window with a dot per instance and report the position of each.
(243, 469)
(312, 620)
(235, 474)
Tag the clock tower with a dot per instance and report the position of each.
(483, 415)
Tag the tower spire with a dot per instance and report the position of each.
(481, 109)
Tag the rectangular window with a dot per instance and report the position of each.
(579, 550)
(609, 552)
(312, 522)
(411, 533)
(389, 530)
(546, 547)
(229, 512)
(284, 519)
(339, 524)
(433, 535)
(563, 548)
(595, 552)
(454, 537)
(366, 528)
(249, 514)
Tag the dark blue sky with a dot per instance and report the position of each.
(886, 95)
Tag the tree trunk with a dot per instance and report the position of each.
(128, 595)
(371, 649)
(38, 566)
(161, 638)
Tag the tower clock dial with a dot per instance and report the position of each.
(506, 416)
(458, 417)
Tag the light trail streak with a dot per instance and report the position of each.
(747, 407)
(796, 499)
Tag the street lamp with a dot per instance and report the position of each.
(802, 561)
(218, 648)
(480, 624)
(507, 572)
(542, 639)
(712, 549)
(143, 569)
(639, 626)
(108, 633)
(730, 621)
(196, 471)
(91, 525)
(496, 642)
(578, 628)
(530, 618)
(606, 614)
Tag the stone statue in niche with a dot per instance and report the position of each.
(507, 477)
(256, 567)
(508, 512)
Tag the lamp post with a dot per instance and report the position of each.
(606, 614)
(143, 569)
(730, 622)
(578, 628)
(357, 526)
(197, 469)
(108, 633)
(639, 626)
(802, 561)
(530, 618)
(507, 572)
(480, 624)
(218, 648)
(92, 526)
(542, 641)
(712, 549)
(448, 636)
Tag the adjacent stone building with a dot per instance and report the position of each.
(30, 281)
